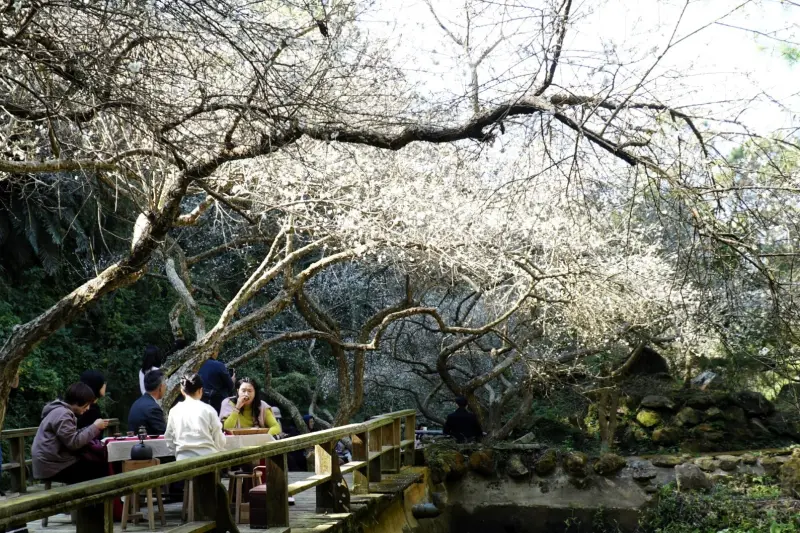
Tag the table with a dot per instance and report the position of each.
(120, 449)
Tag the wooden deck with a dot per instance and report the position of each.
(302, 515)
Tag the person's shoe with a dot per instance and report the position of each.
(291, 500)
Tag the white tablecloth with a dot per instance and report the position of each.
(121, 450)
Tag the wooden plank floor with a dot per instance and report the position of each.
(302, 515)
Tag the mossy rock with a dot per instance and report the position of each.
(789, 476)
(655, 401)
(609, 464)
(729, 463)
(547, 463)
(714, 413)
(516, 468)
(708, 432)
(749, 459)
(445, 462)
(754, 403)
(704, 399)
(772, 465)
(667, 461)
(575, 463)
(648, 418)
(482, 462)
(706, 464)
(666, 436)
(688, 416)
(735, 414)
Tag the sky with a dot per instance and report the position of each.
(725, 54)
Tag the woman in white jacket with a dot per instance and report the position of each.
(193, 427)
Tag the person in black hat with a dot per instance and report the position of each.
(97, 382)
(462, 424)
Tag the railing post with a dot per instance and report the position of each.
(410, 434)
(397, 450)
(390, 459)
(18, 475)
(374, 443)
(277, 481)
(361, 453)
(326, 463)
(98, 518)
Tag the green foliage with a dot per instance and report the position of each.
(109, 337)
(791, 54)
(742, 504)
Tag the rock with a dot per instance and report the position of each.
(706, 464)
(690, 477)
(667, 461)
(666, 435)
(687, 417)
(651, 489)
(657, 402)
(445, 463)
(705, 399)
(772, 465)
(728, 463)
(714, 413)
(789, 395)
(753, 403)
(642, 471)
(789, 476)
(648, 418)
(516, 469)
(546, 463)
(735, 414)
(708, 432)
(575, 463)
(482, 462)
(650, 363)
(759, 428)
(527, 438)
(581, 483)
(748, 459)
(609, 464)
(784, 425)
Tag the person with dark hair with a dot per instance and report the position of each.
(97, 382)
(247, 410)
(146, 411)
(58, 440)
(150, 361)
(217, 382)
(193, 427)
(462, 424)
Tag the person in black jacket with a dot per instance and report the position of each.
(462, 424)
(146, 411)
(97, 382)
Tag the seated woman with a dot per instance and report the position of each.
(193, 428)
(97, 382)
(240, 411)
(58, 439)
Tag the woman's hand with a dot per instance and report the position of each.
(241, 402)
(101, 423)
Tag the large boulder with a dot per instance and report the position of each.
(516, 468)
(609, 464)
(759, 429)
(648, 418)
(704, 399)
(735, 415)
(789, 476)
(445, 462)
(789, 396)
(784, 424)
(753, 403)
(666, 436)
(482, 462)
(547, 463)
(749, 459)
(650, 362)
(575, 463)
(687, 417)
(657, 402)
(690, 477)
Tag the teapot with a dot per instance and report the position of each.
(141, 451)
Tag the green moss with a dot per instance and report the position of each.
(609, 463)
(546, 464)
(648, 418)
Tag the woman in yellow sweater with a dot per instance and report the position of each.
(246, 410)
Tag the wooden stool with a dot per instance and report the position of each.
(130, 505)
(187, 510)
(235, 484)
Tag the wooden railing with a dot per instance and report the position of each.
(16, 468)
(381, 444)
